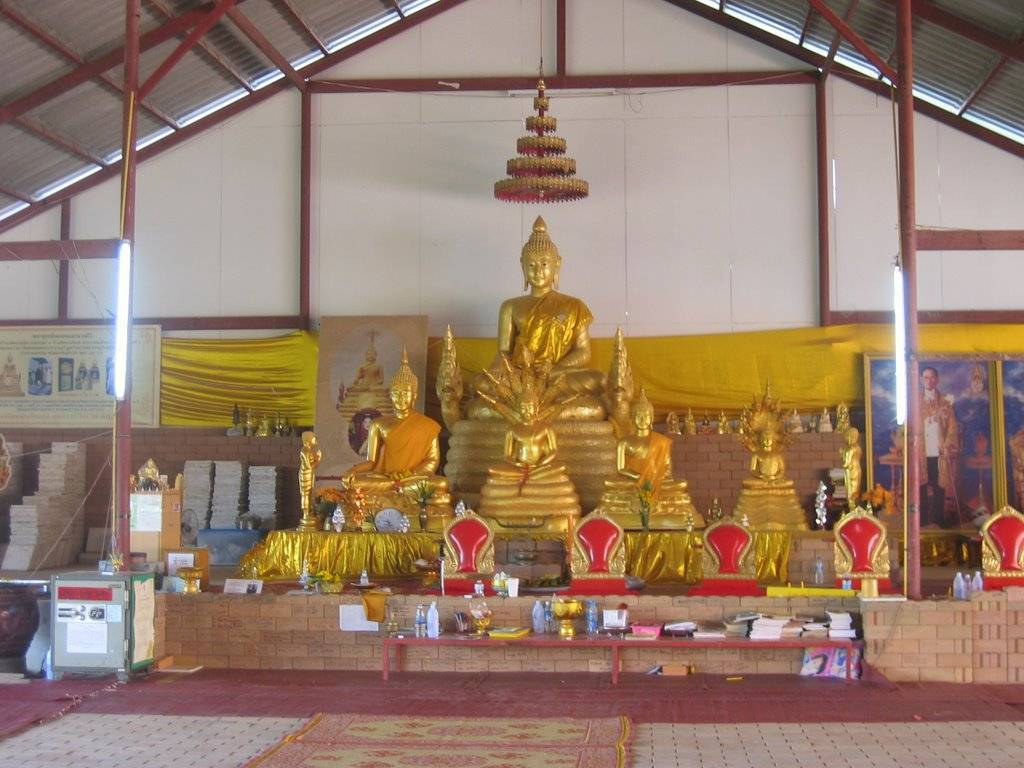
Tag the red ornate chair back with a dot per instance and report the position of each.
(862, 536)
(729, 542)
(599, 537)
(467, 537)
(1007, 533)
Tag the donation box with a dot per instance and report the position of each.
(102, 623)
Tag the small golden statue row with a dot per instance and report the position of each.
(723, 426)
(262, 426)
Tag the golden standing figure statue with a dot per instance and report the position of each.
(842, 417)
(851, 454)
(768, 498)
(449, 382)
(309, 457)
(644, 463)
(690, 424)
(672, 424)
(528, 490)
(402, 452)
(620, 388)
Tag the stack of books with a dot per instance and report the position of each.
(680, 628)
(815, 627)
(198, 490)
(709, 630)
(227, 494)
(264, 495)
(840, 625)
(792, 628)
(768, 627)
(738, 625)
(12, 493)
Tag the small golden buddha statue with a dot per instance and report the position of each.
(147, 478)
(554, 327)
(723, 426)
(824, 421)
(10, 379)
(263, 428)
(528, 490)
(672, 424)
(851, 454)
(644, 463)
(620, 389)
(842, 417)
(309, 457)
(402, 453)
(768, 498)
(249, 427)
(690, 427)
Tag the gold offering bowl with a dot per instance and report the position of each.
(192, 578)
(566, 611)
(481, 623)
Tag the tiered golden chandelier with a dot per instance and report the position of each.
(541, 173)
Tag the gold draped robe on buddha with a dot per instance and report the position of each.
(407, 445)
(552, 325)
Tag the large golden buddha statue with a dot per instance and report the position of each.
(554, 327)
(402, 454)
(551, 330)
(527, 489)
(644, 464)
(768, 497)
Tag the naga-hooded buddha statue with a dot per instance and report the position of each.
(552, 331)
(644, 464)
(403, 454)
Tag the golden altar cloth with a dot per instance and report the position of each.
(654, 556)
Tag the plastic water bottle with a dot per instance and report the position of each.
(959, 587)
(421, 621)
(819, 571)
(977, 583)
(478, 588)
(433, 621)
(591, 615)
(549, 619)
(540, 624)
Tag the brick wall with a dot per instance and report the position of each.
(980, 640)
(302, 632)
(169, 447)
(716, 465)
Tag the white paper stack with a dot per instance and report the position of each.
(228, 489)
(48, 527)
(12, 493)
(815, 627)
(768, 627)
(840, 625)
(198, 490)
(265, 495)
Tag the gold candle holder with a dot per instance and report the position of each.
(566, 612)
(192, 577)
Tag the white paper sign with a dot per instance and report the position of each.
(147, 511)
(87, 637)
(176, 560)
(353, 619)
(242, 586)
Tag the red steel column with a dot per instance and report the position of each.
(64, 267)
(821, 126)
(305, 206)
(559, 38)
(908, 252)
(123, 420)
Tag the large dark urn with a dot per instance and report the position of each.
(19, 620)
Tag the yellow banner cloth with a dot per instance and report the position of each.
(375, 605)
(654, 556)
(408, 444)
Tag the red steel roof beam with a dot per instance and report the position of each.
(854, 39)
(929, 12)
(300, 22)
(58, 250)
(185, 46)
(970, 239)
(260, 41)
(834, 48)
(16, 195)
(218, 58)
(976, 91)
(806, 26)
(96, 67)
(40, 131)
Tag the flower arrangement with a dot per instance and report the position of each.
(325, 581)
(644, 498)
(421, 493)
(327, 498)
(878, 500)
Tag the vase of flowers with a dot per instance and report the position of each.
(644, 499)
(421, 493)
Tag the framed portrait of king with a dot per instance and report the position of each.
(961, 462)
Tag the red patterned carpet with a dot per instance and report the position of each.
(697, 699)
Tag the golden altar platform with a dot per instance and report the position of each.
(654, 556)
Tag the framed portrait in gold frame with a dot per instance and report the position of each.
(963, 471)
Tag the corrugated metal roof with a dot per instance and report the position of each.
(950, 67)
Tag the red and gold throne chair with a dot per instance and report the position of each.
(728, 561)
(598, 559)
(1002, 549)
(861, 552)
(469, 553)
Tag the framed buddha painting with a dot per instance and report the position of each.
(358, 357)
(1011, 388)
(962, 475)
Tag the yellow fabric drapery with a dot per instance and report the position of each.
(809, 368)
(654, 556)
(202, 379)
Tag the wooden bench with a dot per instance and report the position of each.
(615, 644)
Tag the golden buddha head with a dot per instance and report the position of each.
(404, 385)
(528, 406)
(643, 411)
(308, 439)
(540, 260)
(852, 436)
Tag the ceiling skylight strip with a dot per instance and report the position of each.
(12, 209)
(66, 181)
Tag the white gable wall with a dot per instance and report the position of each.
(701, 216)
